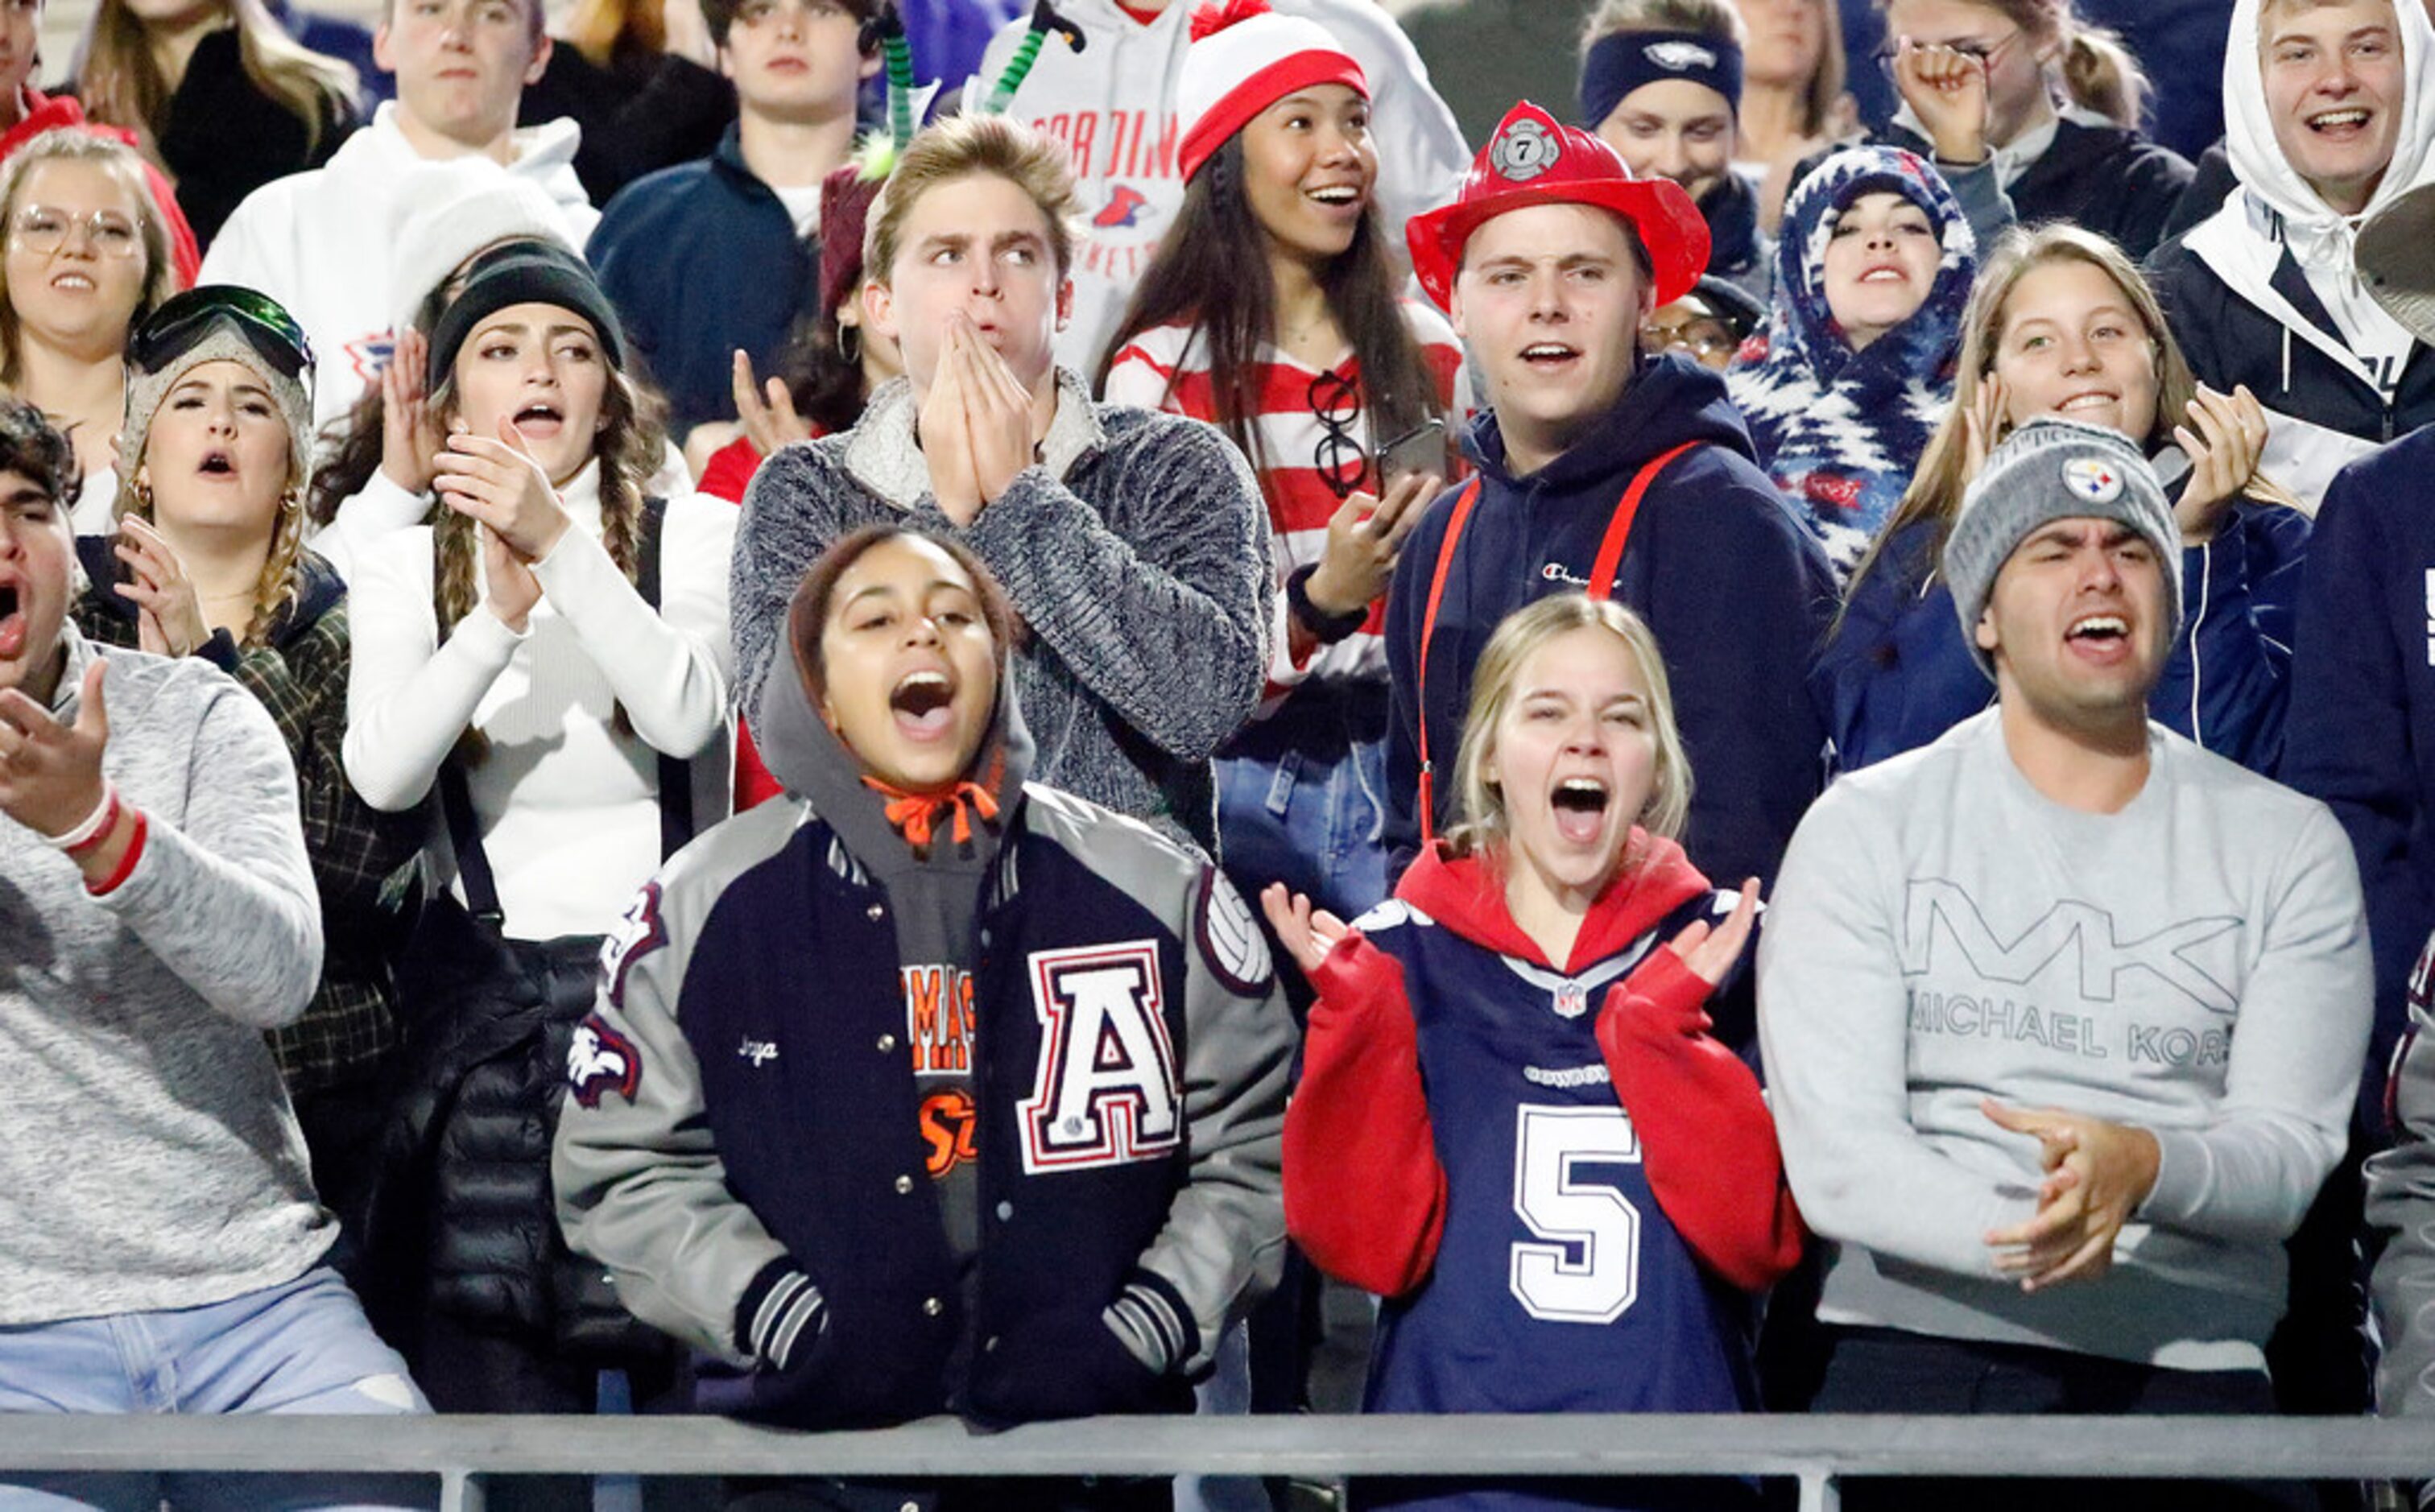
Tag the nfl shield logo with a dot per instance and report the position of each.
(1571, 1002)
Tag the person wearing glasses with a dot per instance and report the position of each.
(209, 561)
(1854, 366)
(165, 1252)
(86, 259)
(2045, 102)
(1707, 324)
(2326, 123)
(1271, 311)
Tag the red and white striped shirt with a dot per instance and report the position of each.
(1167, 368)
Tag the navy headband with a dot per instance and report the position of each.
(1621, 61)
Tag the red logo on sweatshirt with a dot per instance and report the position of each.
(1124, 207)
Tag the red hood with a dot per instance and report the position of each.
(1465, 894)
(45, 112)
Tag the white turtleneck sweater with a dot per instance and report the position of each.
(568, 808)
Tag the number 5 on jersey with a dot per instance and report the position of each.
(1586, 1268)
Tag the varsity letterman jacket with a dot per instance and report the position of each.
(743, 1144)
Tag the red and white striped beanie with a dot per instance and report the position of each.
(1244, 58)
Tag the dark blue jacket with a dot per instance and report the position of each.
(702, 259)
(1897, 673)
(1734, 587)
(2362, 734)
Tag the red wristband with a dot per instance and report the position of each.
(125, 864)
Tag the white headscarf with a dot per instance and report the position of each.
(2279, 205)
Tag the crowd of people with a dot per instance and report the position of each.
(687, 725)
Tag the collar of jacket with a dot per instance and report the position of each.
(882, 454)
(1669, 400)
(727, 160)
(1466, 895)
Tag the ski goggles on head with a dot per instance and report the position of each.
(185, 318)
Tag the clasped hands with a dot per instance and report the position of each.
(2096, 1175)
(499, 484)
(978, 430)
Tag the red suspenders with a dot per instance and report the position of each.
(1603, 571)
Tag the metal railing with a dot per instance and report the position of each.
(1817, 1450)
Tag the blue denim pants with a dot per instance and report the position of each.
(302, 1346)
(1316, 823)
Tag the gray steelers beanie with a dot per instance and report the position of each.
(2054, 469)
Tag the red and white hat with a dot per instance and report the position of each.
(1244, 58)
(1536, 159)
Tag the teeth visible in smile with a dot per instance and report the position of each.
(2100, 624)
(73, 281)
(2087, 400)
(1546, 348)
(1883, 275)
(2339, 118)
(1343, 193)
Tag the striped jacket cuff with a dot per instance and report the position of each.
(779, 1316)
(1152, 1321)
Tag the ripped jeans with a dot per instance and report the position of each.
(302, 1346)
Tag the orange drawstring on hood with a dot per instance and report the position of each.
(917, 815)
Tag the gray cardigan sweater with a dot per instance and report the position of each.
(152, 1160)
(1135, 551)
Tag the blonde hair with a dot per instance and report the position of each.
(2099, 72)
(121, 85)
(1698, 18)
(965, 144)
(1482, 824)
(1936, 488)
(117, 160)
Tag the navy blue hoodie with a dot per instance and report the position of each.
(1735, 589)
(2360, 733)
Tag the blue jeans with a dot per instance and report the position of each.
(1314, 824)
(299, 1348)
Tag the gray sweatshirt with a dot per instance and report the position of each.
(1136, 552)
(2195, 965)
(152, 1160)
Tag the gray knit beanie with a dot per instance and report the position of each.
(2054, 469)
(220, 343)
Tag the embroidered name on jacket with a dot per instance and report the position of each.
(1106, 1091)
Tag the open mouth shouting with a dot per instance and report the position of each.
(1550, 357)
(13, 622)
(922, 704)
(541, 419)
(220, 462)
(2103, 637)
(1580, 806)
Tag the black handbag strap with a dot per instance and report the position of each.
(676, 775)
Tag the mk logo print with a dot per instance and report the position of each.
(2081, 931)
(1106, 1091)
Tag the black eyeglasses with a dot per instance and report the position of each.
(1335, 401)
(187, 318)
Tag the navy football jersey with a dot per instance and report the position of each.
(1559, 1284)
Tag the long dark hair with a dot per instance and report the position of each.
(1212, 273)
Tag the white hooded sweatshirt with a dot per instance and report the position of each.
(2275, 210)
(321, 243)
(1112, 105)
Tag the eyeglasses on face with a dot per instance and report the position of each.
(1699, 337)
(42, 230)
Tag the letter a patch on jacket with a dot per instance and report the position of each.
(1106, 1091)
